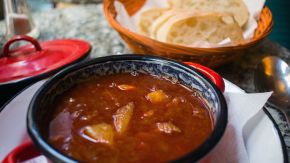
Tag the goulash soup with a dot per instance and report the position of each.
(129, 118)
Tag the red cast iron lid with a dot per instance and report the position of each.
(38, 58)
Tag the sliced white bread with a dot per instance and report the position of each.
(147, 18)
(186, 29)
(235, 7)
(159, 22)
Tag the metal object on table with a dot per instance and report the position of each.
(273, 74)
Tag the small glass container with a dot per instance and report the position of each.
(18, 19)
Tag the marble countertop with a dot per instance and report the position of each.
(87, 22)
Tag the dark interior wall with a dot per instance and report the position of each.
(281, 14)
(1, 10)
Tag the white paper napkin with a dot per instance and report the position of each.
(241, 108)
(39, 159)
(254, 6)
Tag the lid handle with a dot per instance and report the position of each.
(20, 38)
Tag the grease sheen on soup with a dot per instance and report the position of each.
(128, 118)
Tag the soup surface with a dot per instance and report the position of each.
(128, 118)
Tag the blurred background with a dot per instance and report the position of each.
(279, 8)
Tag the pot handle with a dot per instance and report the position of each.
(212, 75)
(22, 153)
(20, 38)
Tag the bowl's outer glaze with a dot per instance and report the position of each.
(39, 109)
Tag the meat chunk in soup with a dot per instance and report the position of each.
(126, 87)
(60, 126)
(167, 127)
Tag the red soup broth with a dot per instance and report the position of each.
(129, 118)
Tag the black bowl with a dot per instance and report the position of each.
(39, 111)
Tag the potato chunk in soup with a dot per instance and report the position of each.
(123, 117)
(100, 133)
